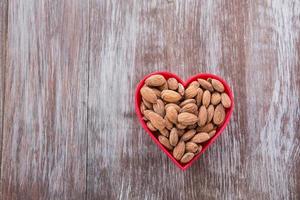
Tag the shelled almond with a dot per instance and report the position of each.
(183, 118)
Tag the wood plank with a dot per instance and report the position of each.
(253, 45)
(44, 138)
(3, 37)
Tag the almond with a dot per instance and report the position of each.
(199, 97)
(156, 120)
(187, 101)
(165, 142)
(147, 114)
(206, 98)
(180, 89)
(215, 98)
(171, 114)
(148, 94)
(164, 132)
(195, 84)
(192, 126)
(191, 147)
(217, 85)
(170, 96)
(202, 116)
(181, 126)
(210, 113)
(163, 87)
(180, 132)
(200, 137)
(188, 135)
(173, 137)
(190, 108)
(199, 149)
(155, 80)
(205, 84)
(147, 104)
(172, 84)
(169, 125)
(207, 128)
(191, 92)
(142, 107)
(187, 157)
(174, 105)
(219, 114)
(212, 133)
(179, 150)
(156, 91)
(151, 127)
(159, 107)
(225, 100)
(186, 118)
(145, 119)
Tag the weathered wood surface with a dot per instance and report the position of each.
(45, 109)
(70, 130)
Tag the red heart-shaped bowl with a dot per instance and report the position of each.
(205, 145)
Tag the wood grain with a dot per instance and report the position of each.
(3, 37)
(44, 136)
(68, 75)
(252, 44)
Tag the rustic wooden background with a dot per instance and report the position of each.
(68, 74)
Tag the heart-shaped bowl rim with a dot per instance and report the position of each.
(205, 145)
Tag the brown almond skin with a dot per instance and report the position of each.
(179, 150)
(225, 100)
(190, 108)
(186, 118)
(215, 98)
(171, 114)
(170, 96)
(169, 125)
(147, 114)
(181, 89)
(155, 80)
(157, 92)
(202, 116)
(147, 104)
(164, 132)
(192, 126)
(187, 157)
(205, 84)
(174, 105)
(217, 85)
(191, 147)
(159, 107)
(206, 98)
(172, 84)
(148, 94)
(187, 101)
(219, 114)
(200, 137)
(195, 84)
(210, 113)
(180, 132)
(163, 87)
(180, 126)
(173, 138)
(199, 97)
(156, 120)
(151, 127)
(212, 133)
(142, 107)
(188, 135)
(207, 128)
(191, 92)
(165, 142)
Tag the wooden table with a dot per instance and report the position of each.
(68, 74)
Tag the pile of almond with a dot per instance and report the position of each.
(183, 118)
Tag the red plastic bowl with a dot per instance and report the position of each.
(167, 75)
